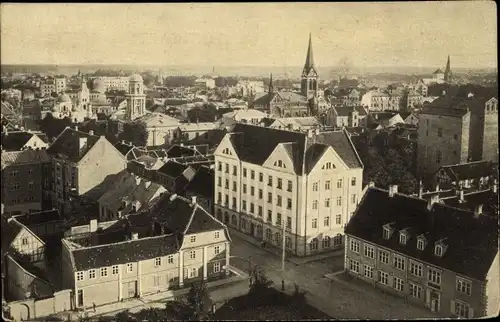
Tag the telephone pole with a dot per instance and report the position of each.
(283, 249)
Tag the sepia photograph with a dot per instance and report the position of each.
(249, 161)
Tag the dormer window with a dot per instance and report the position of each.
(438, 250)
(402, 238)
(387, 233)
(420, 244)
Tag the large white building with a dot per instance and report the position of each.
(310, 182)
(136, 99)
(112, 82)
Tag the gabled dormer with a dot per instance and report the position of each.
(421, 242)
(440, 248)
(387, 231)
(404, 236)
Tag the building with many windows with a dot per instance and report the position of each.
(416, 249)
(266, 178)
(169, 246)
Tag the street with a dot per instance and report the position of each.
(337, 300)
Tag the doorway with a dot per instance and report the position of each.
(252, 229)
(79, 298)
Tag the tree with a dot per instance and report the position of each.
(52, 127)
(298, 296)
(258, 281)
(198, 302)
(135, 132)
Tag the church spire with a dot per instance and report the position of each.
(271, 87)
(309, 58)
(447, 72)
(448, 65)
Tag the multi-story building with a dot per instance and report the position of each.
(375, 101)
(80, 162)
(296, 123)
(352, 99)
(53, 85)
(109, 83)
(467, 175)
(189, 131)
(415, 248)
(457, 132)
(23, 140)
(414, 100)
(26, 177)
(174, 244)
(352, 116)
(269, 180)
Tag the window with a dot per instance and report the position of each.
(315, 204)
(79, 276)
(369, 251)
(434, 276)
(328, 166)
(289, 203)
(402, 238)
(438, 156)
(227, 184)
(383, 278)
(399, 262)
(104, 271)
(326, 221)
(416, 269)
(354, 266)
(217, 267)
(353, 198)
(92, 274)
(244, 172)
(244, 188)
(327, 185)
(278, 201)
(227, 168)
(260, 211)
(24, 241)
(326, 242)
(289, 185)
(339, 201)
(170, 259)
(464, 286)
(252, 174)
(314, 244)
(157, 261)
(355, 246)
(368, 271)
(383, 256)
(219, 181)
(338, 219)
(216, 250)
(315, 223)
(339, 183)
(280, 184)
(269, 197)
(114, 269)
(315, 186)
(235, 170)
(288, 242)
(156, 281)
(192, 254)
(192, 238)
(420, 244)
(234, 185)
(252, 208)
(398, 284)
(270, 215)
(288, 222)
(327, 203)
(130, 267)
(438, 250)
(353, 181)
(31, 185)
(278, 219)
(387, 233)
(261, 177)
(415, 291)
(216, 235)
(193, 272)
(440, 132)
(14, 173)
(461, 309)
(270, 181)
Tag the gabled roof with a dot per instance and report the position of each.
(38, 218)
(172, 169)
(438, 71)
(24, 157)
(254, 144)
(178, 151)
(202, 183)
(67, 145)
(15, 141)
(471, 256)
(471, 170)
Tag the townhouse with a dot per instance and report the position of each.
(80, 162)
(266, 178)
(467, 175)
(23, 140)
(375, 100)
(170, 246)
(415, 248)
(174, 175)
(351, 116)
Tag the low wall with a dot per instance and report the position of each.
(30, 309)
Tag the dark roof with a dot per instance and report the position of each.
(172, 169)
(471, 170)
(254, 144)
(202, 183)
(37, 218)
(123, 147)
(214, 138)
(264, 99)
(267, 121)
(10, 230)
(487, 198)
(471, 256)
(66, 145)
(178, 151)
(346, 110)
(14, 141)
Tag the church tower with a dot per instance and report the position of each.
(309, 84)
(136, 100)
(270, 93)
(447, 72)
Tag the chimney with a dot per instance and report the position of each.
(182, 144)
(309, 133)
(371, 184)
(93, 226)
(135, 236)
(420, 189)
(461, 196)
(147, 184)
(76, 127)
(82, 142)
(91, 132)
(478, 211)
(172, 197)
(392, 190)
(137, 180)
(432, 200)
(193, 200)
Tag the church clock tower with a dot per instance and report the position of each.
(309, 83)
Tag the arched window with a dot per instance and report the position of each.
(337, 240)
(243, 223)
(268, 234)
(314, 244)
(234, 221)
(277, 239)
(326, 242)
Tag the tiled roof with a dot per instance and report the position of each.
(344, 110)
(24, 157)
(37, 218)
(471, 256)
(201, 126)
(266, 121)
(254, 144)
(471, 170)
(15, 141)
(66, 146)
(202, 183)
(487, 198)
(178, 151)
(172, 169)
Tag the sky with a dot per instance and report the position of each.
(419, 34)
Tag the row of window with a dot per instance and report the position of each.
(404, 236)
(16, 186)
(18, 200)
(192, 238)
(15, 173)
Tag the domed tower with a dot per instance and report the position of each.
(136, 100)
(309, 84)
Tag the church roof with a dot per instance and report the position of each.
(309, 58)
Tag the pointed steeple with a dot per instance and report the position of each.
(309, 58)
(447, 71)
(271, 87)
(448, 65)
